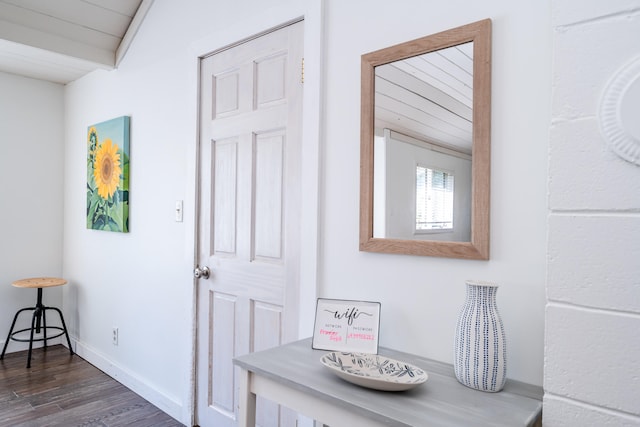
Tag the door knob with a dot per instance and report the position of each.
(201, 273)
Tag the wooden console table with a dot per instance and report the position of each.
(293, 376)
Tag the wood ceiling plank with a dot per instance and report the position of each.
(74, 13)
(47, 41)
(50, 26)
(124, 7)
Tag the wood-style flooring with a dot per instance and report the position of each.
(60, 390)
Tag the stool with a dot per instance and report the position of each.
(39, 319)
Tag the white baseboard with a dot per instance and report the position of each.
(169, 404)
(16, 346)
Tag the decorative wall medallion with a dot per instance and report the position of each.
(618, 113)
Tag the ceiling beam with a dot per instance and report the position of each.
(136, 22)
(104, 58)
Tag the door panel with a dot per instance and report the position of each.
(248, 221)
(268, 196)
(225, 158)
(227, 92)
(223, 312)
(271, 80)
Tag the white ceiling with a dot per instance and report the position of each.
(62, 40)
(429, 97)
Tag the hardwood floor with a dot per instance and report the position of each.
(60, 390)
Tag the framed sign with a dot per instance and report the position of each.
(347, 326)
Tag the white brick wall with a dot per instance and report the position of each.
(592, 337)
(590, 357)
(594, 261)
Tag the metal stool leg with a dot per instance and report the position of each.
(34, 321)
(64, 326)
(44, 326)
(13, 324)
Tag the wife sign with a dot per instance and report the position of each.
(346, 326)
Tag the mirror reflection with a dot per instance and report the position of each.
(423, 145)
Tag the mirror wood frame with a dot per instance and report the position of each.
(478, 248)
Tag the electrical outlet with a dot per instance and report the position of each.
(114, 336)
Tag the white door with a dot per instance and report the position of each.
(249, 221)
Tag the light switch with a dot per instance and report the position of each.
(178, 210)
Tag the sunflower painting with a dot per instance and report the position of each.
(108, 175)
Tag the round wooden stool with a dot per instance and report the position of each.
(39, 319)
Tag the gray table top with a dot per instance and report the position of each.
(440, 401)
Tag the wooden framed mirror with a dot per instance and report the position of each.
(426, 145)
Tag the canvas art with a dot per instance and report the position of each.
(108, 175)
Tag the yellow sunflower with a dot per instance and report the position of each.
(92, 142)
(92, 135)
(107, 169)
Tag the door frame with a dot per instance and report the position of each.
(311, 12)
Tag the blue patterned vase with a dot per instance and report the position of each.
(480, 354)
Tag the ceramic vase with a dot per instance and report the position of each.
(480, 357)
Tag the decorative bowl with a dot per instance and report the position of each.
(374, 371)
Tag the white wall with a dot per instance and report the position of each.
(592, 350)
(421, 296)
(140, 282)
(31, 165)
